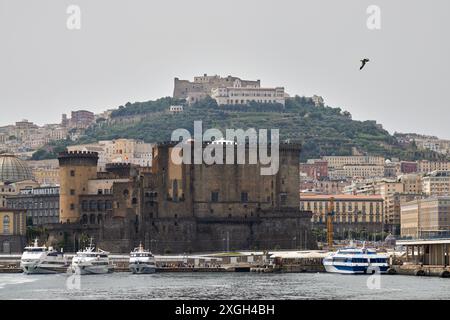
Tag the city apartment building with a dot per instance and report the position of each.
(363, 171)
(118, 151)
(426, 166)
(80, 119)
(336, 162)
(425, 217)
(327, 186)
(436, 183)
(315, 169)
(353, 213)
(412, 183)
(408, 167)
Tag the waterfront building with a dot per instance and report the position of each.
(41, 204)
(428, 252)
(181, 207)
(357, 215)
(12, 230)
(425, 217)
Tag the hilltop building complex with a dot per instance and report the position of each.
(228, 90)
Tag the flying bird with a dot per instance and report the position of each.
(363, 63)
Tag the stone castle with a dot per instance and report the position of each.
(180, 208)
(227, 90)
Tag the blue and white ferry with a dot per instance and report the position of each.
(356, 260)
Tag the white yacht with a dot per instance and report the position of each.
(142, 261)
(42, 260)
(356, 260)
(91, 261)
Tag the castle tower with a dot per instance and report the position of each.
(75, 170)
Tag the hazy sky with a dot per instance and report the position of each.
(131, 51)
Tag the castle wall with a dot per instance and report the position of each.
(172, 209)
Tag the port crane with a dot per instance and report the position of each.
(330, 216)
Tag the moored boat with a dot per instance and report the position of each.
(91, 261)
(142, 261)
(356, 260)
(42, 260)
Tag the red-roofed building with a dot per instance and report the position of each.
(355, 216)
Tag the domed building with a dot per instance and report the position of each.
(12, 169)
(15, 175)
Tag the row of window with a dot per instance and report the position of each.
(349, 218)
(244, 197)
(33, 205)
(96, 205)
(321, 206)
(43, 213)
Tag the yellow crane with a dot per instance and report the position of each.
(330, 215)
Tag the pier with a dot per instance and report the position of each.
(262, 261)
(428, 257)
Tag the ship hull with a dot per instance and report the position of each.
(142, 268)
(43, 268)
(342, 269)
(86, 270)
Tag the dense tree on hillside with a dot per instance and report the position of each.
(322, 130)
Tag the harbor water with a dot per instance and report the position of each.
(227, 285)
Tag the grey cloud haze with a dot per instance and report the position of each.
(132, 50)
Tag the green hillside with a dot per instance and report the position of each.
(321, 130)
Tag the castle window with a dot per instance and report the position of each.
(72, 192)
(101, 205)
(126, 193)
(283, 199)
(244, 196)
(92, 205)
(72, 206)
(72, 173)
(214, 196)
(6, 221)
